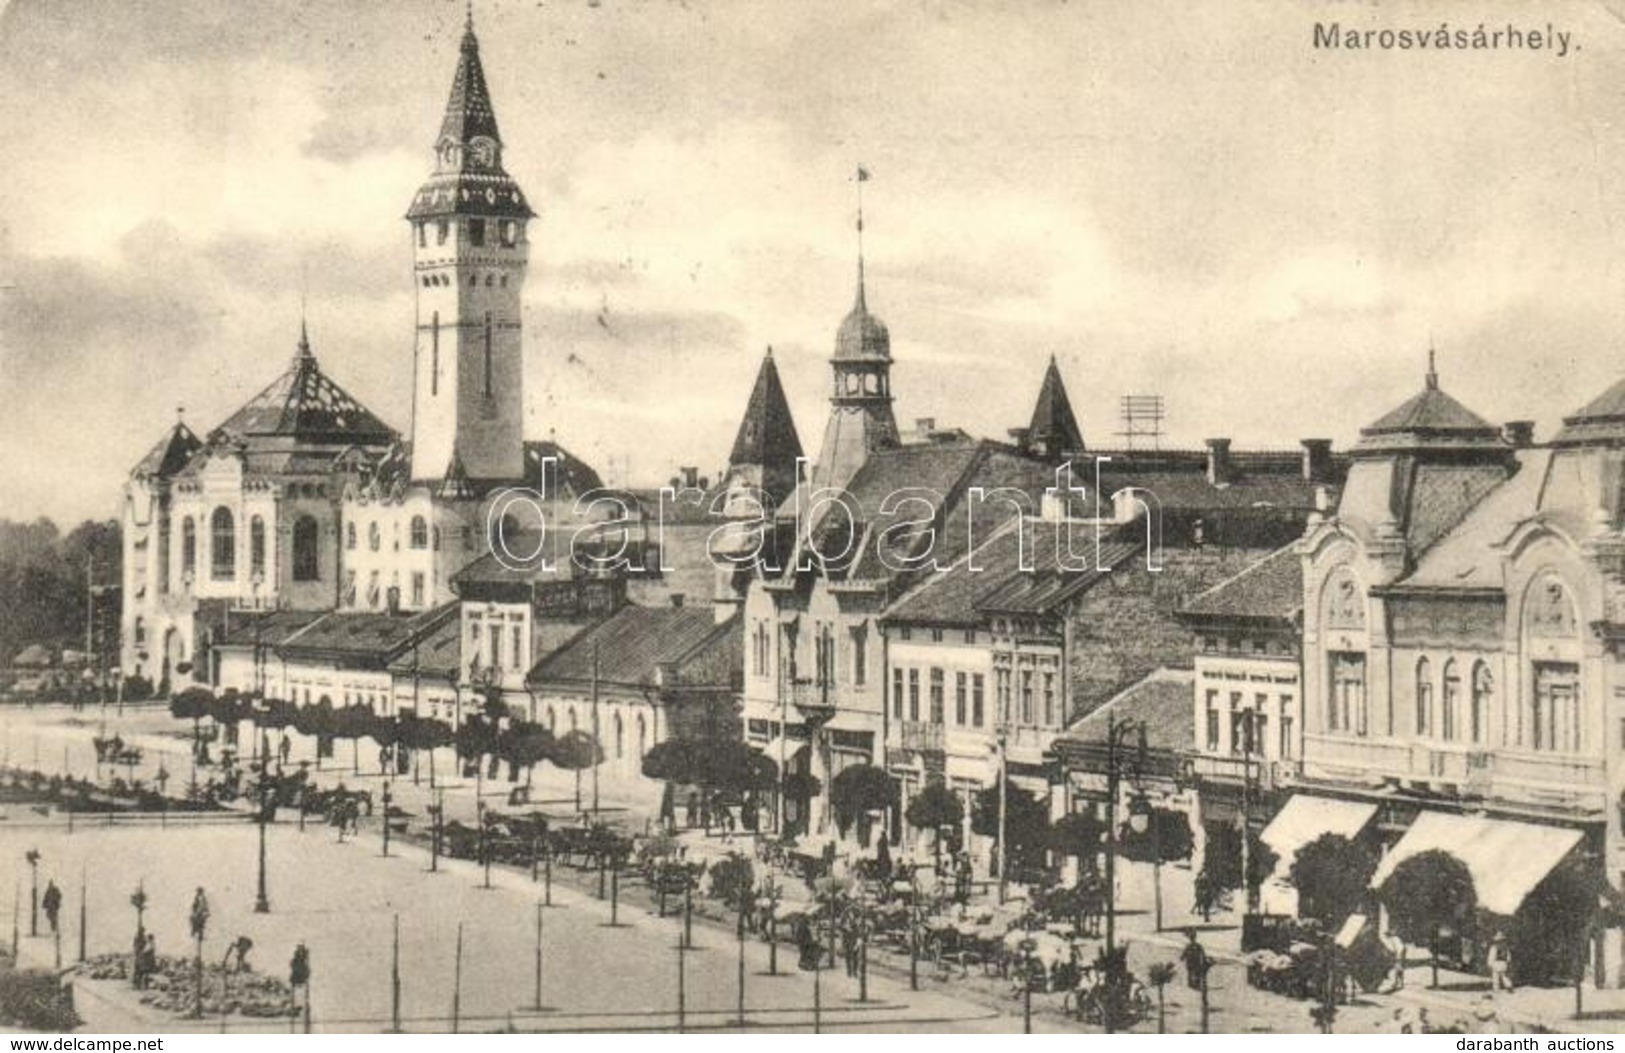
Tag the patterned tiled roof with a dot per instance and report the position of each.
(1163, 701)
(1431, 419)
(1599, 422)
(364, 635)
(1054, 429)
(169, 455)
(269, 628)
(305, 405)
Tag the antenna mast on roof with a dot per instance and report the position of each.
(1142, 417)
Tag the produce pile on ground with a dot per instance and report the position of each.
(173, 987)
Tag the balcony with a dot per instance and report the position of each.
(921, 737)
(814, 701)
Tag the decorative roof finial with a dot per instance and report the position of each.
(304, 334)
(180, 415)
(1433, 373)
(468, 17)
(862, 178)
(770, 352)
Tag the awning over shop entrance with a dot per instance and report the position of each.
(791, 747)
(1506, 859)
(1305, 818)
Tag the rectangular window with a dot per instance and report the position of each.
(1027, 696)
(936, 635)
(1555, 709)
(441, 229)
(970, 636)
(961, 698)
(860, 656)
(936, 696)
(1049, 700)
(904, 633)
(417, 589)
(1240, 737)
(914, 694)
(516, 639)
(476, 232)
(496, 647)
(1001, 694)
(1286, 734)
(1346, 706)
(1212, 711)
(977, 707)
(897, 694)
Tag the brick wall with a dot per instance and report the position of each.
(1125, 627)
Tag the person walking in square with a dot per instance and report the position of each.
(1196, 961)
(52, 902)
(1500, 960)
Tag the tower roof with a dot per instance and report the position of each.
(1600, 422)
(767, 434)
(469, 180)
(304, 404)
(170, 454)
(468, 110)
(1054, 429)
(862, 335)
(1431, 419)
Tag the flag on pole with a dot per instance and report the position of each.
(863, 174)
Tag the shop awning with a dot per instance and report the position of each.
(1506, 859)
(1305, 818)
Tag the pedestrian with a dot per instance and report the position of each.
(52, 902)
(849, 943)
(284, 748)
(383, 760)
(1500, 963)
(1396, 947)
(811, 950)
(149, 960)
(1196, 961)
(200, 914)
(691, 810)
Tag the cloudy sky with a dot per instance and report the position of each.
(1181, 198)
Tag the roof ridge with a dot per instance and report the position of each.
(1243, 572)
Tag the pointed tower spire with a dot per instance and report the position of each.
(862, 178)
(304, 342)
(1054, 430)
(1433, 372)
(767, 433)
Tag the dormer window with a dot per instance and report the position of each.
(510, 234)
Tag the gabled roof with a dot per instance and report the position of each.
(1270, 589)
(767, 434)
(169, 455)
(1164, 701)
(438, 653)
(364, 636)
(269, 628)
(632, 645)
(1018, 570)
(1054, 430)
(305, 405)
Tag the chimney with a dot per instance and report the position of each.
(1218, 461)
(1518, 434)
(676, 599)
(691, 476)
(1019, 436)
(705, 483)
(1317, 460)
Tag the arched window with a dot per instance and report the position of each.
(256, 546)
(1483, 692)
(572, 715)
(1450, 711)
(349, 535)
(434, 538)
(1551, 717)
(188, 547)
(643, 739)
(222, 544)
(375, 536)
(420, 532)
(552, 719)
(1424, 697)
(140, 631)
(307, 564)
(620, 738)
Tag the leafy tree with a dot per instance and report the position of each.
(1550, 934)
(193, 704)
(1426, 894)
(1026, 822)
(671, 760)
(525, 745)
(934, 808)
(1078, 834)
(576, 751)
(1221, 862)
(1331, 874)
(1167, 832)
(859, 789)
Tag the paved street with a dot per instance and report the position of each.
(340, 900)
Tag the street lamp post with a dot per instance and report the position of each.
(33, 857)
(1116, 731)
(262, 903)
(386, 802)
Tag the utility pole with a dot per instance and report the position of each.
(83, 912)
(457, 982)
(395, 977)
(1004, 776)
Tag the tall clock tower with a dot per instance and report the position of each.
(468, 234)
